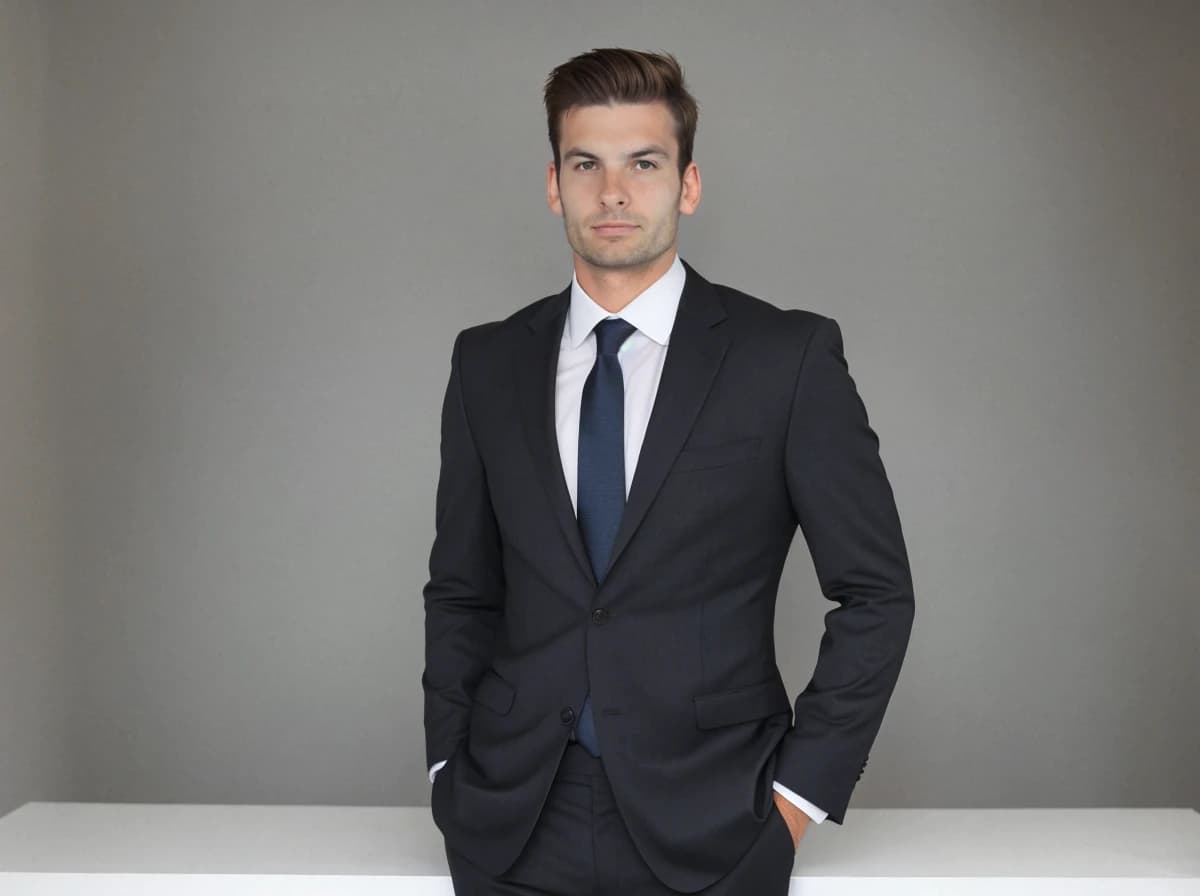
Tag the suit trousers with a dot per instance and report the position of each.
(580, 847)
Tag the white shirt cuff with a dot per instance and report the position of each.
(433, 770)
(816, 814)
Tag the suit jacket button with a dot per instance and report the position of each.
(599, 616)
(567, 716)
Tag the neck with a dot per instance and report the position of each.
(614, 288)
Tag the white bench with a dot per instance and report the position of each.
(55, 849)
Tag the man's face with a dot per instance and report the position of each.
(619, 190)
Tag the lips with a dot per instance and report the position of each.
(614, 228)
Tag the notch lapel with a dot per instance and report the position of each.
(536, 368)
(694, 354)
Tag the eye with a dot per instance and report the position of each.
(649, 165)
(585, 165)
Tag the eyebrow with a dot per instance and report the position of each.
(652, 150)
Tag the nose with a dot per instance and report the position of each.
(613, 193)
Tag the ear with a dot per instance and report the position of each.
(689, 194)
(553, 199)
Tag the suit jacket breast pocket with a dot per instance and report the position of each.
(713, 456)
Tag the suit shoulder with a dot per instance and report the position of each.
(764, 316)
(486, 333)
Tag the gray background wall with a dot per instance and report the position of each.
(35, 748)
(224, 353)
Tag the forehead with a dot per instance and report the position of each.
(618, 125)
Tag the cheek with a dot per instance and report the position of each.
(572, 197)
(659, 195)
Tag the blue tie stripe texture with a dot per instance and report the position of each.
(600, 499)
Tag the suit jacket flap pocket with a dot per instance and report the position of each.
(741, 705)
(494, 692)
(703, 457)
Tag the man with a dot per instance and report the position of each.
(623, 468)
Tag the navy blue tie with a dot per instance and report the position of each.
(600, 499)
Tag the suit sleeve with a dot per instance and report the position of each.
(464, 597)
(846, 510)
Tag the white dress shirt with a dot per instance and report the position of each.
(641, 357)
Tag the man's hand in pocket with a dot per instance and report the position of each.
(797, 820)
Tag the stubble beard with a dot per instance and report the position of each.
(623, 254)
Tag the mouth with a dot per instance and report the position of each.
(615, 228)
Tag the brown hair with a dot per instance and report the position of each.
(606, 76)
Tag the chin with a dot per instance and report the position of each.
(618, 260)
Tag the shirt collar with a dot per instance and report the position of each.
(652, 311)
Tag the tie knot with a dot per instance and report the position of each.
(610, 333)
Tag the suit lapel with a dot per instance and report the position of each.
(536, 380)
(694, 354)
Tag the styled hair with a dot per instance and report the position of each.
(603, 77)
